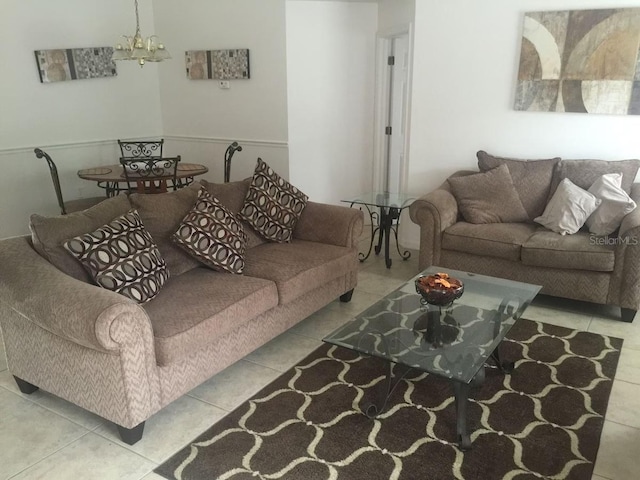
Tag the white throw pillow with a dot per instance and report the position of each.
(615, 204)
(568, 209)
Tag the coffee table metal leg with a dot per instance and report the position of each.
(504, 366)
(372, 410)
(461, 392)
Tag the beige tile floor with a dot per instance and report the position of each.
(44, 437)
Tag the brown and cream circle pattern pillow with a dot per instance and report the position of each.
(272, 205)
(121, 256)
(212, 234)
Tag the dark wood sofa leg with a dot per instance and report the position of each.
(131, 435)
(346, 297)
(627, 314)
(24, 386)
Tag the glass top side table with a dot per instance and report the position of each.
(384, 212)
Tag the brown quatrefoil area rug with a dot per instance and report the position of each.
(544, 420)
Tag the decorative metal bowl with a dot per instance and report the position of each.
(439, 289)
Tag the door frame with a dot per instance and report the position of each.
(381, 106)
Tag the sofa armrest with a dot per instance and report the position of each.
(624, 289)
(632, 220)
(433, 213)
(80, 312)
(332, 224)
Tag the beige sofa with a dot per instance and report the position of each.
(603, 270)
(125, 361)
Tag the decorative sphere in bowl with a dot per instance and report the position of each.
(439, 289)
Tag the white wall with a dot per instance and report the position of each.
(77, 121)
(465, 67)
(79, 110)
(202, 119)
(394, 13)
(330, 75)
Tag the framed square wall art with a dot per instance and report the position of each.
(218, 64)
(583, 61)
(75, 64)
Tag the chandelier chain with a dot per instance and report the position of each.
(137, 19)
(143, 50)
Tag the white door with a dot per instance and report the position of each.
(394, 164)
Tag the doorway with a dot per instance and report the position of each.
(392, 112)
(398, 78)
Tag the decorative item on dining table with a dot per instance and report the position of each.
(439, 289)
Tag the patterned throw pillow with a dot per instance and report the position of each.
(272, 205)
(212, 234)
(121, 256)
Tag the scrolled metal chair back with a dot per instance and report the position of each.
(141, 148)
(150, 174)
(228, 155)
(54, 177)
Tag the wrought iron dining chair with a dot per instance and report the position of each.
(141, 148)
(150, 174)
(228, 155)
(72, 205)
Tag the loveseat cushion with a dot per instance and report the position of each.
(197, 307)
(584, 173)
(501, 240)
(531, 178)
(488, 197)
(48, 234)
(161, 214)
(300, 266)
(579, 251)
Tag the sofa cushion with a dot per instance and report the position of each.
(48, 234)
(161, 214)
(211, 233)
(615, 204)
(300, 266)
(568, 209)
(501, 240)
(201, 305)
(272, 205)
(531, 178)
(121, 256)
(232, 196)
(488, 197)
(584, 173)
(577, 252)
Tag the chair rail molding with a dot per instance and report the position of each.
(226, 141)
(185, 138)
(57, 146)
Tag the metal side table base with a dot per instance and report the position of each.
(383, 222)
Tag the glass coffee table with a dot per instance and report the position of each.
(453, 342)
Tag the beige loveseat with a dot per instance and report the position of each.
(125, 361)
(581, 266)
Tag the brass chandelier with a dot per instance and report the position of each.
(142, 50)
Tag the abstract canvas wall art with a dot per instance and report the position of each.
(75, 64)
(582, 61)
(217, 64)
